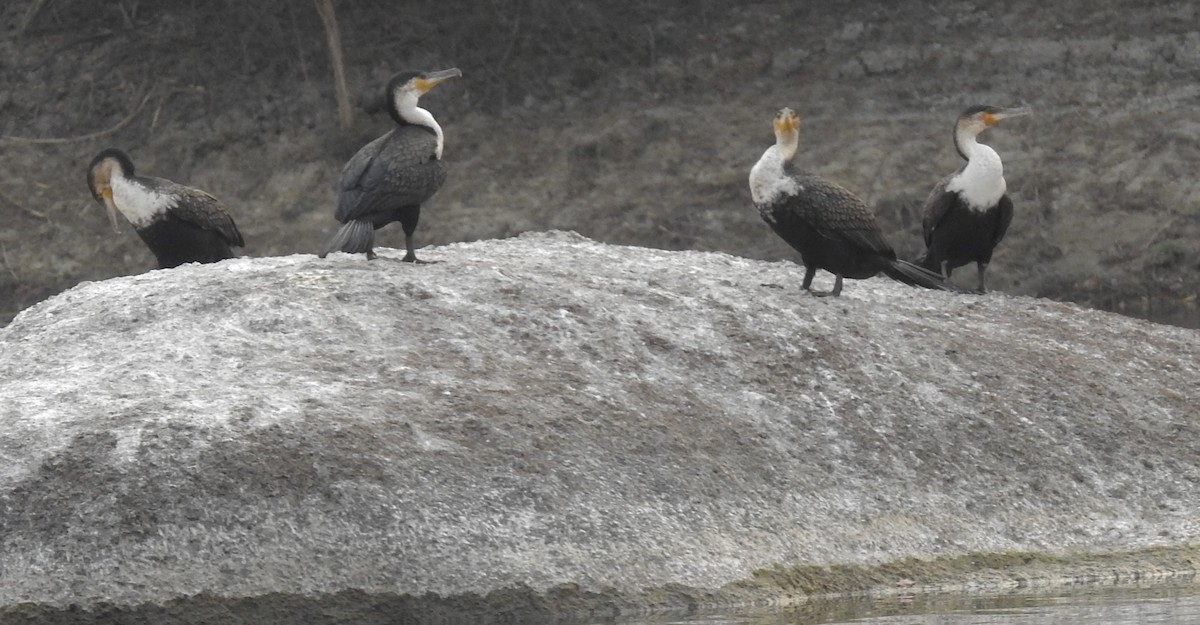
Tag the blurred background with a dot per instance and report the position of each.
(629, 122)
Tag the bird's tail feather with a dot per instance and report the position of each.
(915, 275)
(354, 237)
(927, 262)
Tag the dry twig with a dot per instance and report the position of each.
(28, 211)
(334, 36)
(8, 265)
(31, 13)
(95, 135)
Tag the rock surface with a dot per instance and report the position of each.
(549, 410)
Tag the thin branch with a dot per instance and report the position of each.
(8, 265)
(31, 13)
(299, 43)
(679, 234)
(29, 211)
(334, 36)
(95, 135)
(1168, 226)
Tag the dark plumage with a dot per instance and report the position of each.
(179, 224)
(389, 178)
(832, 228)
(968, 212)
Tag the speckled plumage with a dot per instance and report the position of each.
(956, 234)
(389, 178)
(831, 227)
(968, 213)
(395, 171)
(198, 208)
(180, 224)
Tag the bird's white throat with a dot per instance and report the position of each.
(768, 179)
(138, 203)
(406, 104)
(981, 183)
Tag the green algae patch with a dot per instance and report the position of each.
(972, 572)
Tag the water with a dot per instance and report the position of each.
(1181, 312)
(1158, 605)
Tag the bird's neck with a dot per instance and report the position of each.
(769, 178)
(406, 111)
(141, 203)
(981, 183)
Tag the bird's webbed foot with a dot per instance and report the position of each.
(412, 258)
(837, 289)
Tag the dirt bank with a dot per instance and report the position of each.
(631, 124)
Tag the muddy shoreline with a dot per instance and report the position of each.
(812, 591)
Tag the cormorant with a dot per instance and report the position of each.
(179, 224)
(389, 178)
(968, 212)
(831, 227)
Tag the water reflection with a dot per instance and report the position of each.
(1181, 312)
(1160, 605)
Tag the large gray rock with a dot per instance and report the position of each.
(547, 410)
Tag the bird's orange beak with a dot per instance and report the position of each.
(107, 197)
(991, 119)
(433, 79)
(786, 121)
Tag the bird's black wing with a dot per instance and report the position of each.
(939, 202)
(202, 210)
(838, 214)
(1004, 215)
(358, 173)
(395, 170)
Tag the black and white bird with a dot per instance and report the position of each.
(389, 178)
(831, 227)
(968, 212)
(179, 224)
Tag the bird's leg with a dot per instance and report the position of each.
(834, 293)
(809, 272)
(982, 271)
(945, 270)
(837, 288)
(410, 255)
(408, 222)
(371, 254)
(409, 226)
